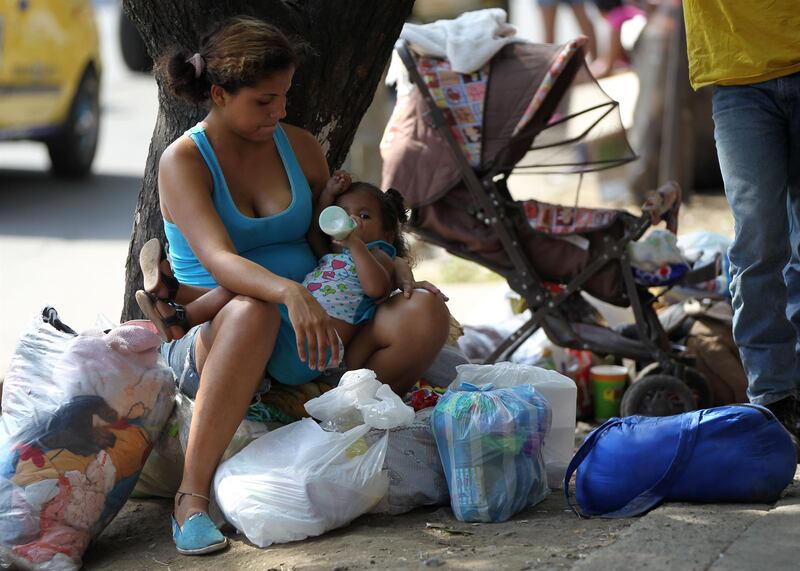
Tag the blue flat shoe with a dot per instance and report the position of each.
(199, 535)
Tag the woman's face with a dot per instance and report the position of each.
(253, 112)
(366, 210)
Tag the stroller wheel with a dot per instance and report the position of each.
(692, 377)
(657, 395)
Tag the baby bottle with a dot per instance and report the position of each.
(336, 223)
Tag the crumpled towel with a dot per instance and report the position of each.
(468, 42)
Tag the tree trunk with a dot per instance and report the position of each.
(352, 41)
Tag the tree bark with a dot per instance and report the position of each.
(352, 41)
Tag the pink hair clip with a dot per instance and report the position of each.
(199, 64)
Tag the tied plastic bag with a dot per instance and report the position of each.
(559, 390)
(301, 480)
(360, 398)
(80, 414)
(490, 442)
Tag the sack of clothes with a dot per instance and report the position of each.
(80, 416)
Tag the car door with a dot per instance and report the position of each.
(32, 35)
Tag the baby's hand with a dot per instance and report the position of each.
(338, 183)
(353, 236)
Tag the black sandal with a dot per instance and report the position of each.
(148, 304)
(150, 258)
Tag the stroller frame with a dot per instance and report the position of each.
(498, 209)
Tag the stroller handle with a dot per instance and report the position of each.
(664, 203)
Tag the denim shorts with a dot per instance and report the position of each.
(179, 355)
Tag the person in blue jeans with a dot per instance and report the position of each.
(750, 53)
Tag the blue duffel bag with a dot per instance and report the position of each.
(627, 466)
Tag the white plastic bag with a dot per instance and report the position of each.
(80, 414)
(559, 390)
(658, 248)
(360, 398)
(301, 481)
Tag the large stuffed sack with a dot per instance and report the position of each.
(416, 476)
(80, 415)
(737, 453)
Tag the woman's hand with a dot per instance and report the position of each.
(313, 328)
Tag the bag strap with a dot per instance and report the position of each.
(656, 494)
(580, 456)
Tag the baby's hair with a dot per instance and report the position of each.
(393, 211)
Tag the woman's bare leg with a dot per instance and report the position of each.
(403, 339)
(549, 23)
(231, 354)
(587, 28)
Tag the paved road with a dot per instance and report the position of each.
(65, 243)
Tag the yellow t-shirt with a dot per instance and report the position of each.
(736, 42)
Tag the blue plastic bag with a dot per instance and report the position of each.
(736, 453)
(490, 442)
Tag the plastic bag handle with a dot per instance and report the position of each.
(656, 494)
(50, 316)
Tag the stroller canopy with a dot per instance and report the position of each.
(495, 114)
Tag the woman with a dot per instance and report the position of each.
(237, 194)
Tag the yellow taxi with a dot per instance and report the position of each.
(50, 79)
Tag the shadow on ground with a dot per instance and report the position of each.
(99, 207)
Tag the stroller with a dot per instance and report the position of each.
(450, 147)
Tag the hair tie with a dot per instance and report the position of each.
(199, 64)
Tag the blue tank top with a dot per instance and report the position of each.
(276, 242)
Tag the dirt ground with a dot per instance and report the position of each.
(542, 537)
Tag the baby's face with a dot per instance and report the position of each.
(365, 209)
